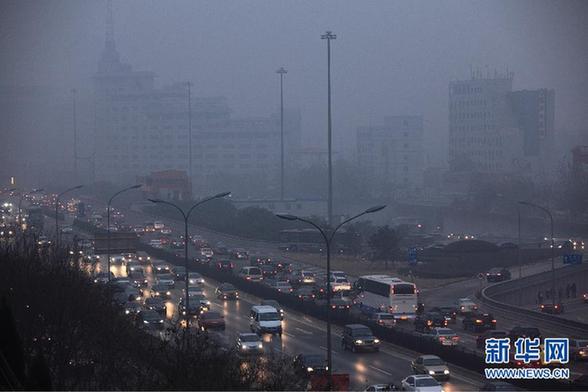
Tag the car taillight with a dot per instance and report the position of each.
(493, 321)
(456, 338)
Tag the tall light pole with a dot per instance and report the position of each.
(108, 224)
(189, 85)
(75, 133)
(186, 216)
(329, 36)
(328, 236)
(57, 211)
(526, 203)
(282, 71)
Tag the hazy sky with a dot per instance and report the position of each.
(390, 57)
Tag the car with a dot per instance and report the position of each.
(449, 312)
(265, 319)
(585, 298)
(523, 332)
(281, 286)
(579, 349)
(195, 279)
(138, 279)
(551, 308)
(117, 260)
(420, 383)
(268, 271)
(160, 291)
(166, 279)
(43, 241)
(211, 320)
(165, 230)
(180, 273)
(249, 343)
(157, 304)
(304, 277)
(202, 302)
(226, 291)
(225, 265)
(429, 320)
(339, 281)
(495, 275)
(158, 225)
(143, 257)
(283, 266)
(133, 265)
(139, 230)
(340, 304)
(66, 230)
(133, 308)
(151, 319)
(477, 321)
(160, 266)
(305, 293)
(239, 254)
(431, 365)
(206, 252)
(102, 277)
(466, 305)
(193, 291)
(251, 273)
(307, 364)
(498, 386)
(193, 310)
(380, 387)
(382, 319)
(490, 334)
(273, 303)
(359, 337)
(260, 260)
(444, 336)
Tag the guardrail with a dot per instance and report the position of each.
(458, 355)
(560, 324)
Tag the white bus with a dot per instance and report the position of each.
(383, 293)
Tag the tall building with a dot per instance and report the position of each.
(392, 154)
(143, 129)
(495, 130)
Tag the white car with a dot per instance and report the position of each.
(157, 225)
(339, 284)
(444, 336)
(206, 252)
(249, 343)
(421, 383)
(282, 286)
(195, 279)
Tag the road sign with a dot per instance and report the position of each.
(412, 255)
(574, 258)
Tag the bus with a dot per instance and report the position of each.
(384, 293)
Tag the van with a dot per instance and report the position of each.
(265, 319)
(251, 273)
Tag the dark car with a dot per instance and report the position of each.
(490, 334)
(193, 309)
(211, 320)
(477, 321)
(497, 275)
(268, 271)
(156, 304)
(341, 304)
(151, 319)
(225, 265)
(282, 266)
(551, 308)
(260, 260)
(579, 349)
(160, 291)
(226, 291)
(428, 321)
(523, 332)
(305, 293)
(449, 312)
(359, 337)
(307, 364)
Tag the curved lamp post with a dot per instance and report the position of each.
(186, 216)
(108, 224)
(57, 209)
(328, 236)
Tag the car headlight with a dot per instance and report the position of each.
(358, 341)
(446, 371)
(309, 369)
(260, 345)
(376, 340)
(431, 372)
(145, 321)
(244, 346)
(127, 311)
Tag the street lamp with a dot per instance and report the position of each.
(329, 36)
(186, 216)
(282, 71)
(529, 204)
(328, 237)
(36, 190)
(108, 224)
(56, 212)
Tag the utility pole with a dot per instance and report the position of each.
(75, 135)
(189, 85)
(329, 36)
(281, 72)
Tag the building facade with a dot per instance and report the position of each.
(141, 128)
(391, 155)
